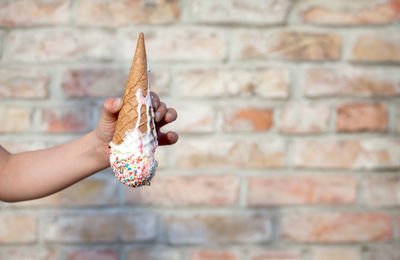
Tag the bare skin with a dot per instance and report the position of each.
(32, 175)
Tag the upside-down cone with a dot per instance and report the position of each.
(128, 115)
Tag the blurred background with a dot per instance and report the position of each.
(288, 118)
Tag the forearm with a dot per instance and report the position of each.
(37, 174)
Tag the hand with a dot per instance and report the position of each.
(108, 120)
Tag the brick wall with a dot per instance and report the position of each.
(288, 114)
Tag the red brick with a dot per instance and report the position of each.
(361, 117)
(288, 190)
(28, 253)
(336, 227)
(260, 153)
(122, 12)
(107, 81)
(192, 117)
(342, 253)
(351, 81)
(153, 254)
(288, 45)
(384, 252)
(370, 153)
(213, 254)
(93, 254)
(93, 82)
(221, 228)
(274, 254)
(265, 83)
(303, 119)
(18, 229)
(30, 13)
(66, 118)
(100, 228)
(58, 44)
(90, 192)
(211, 190)
(247, 118)
(351, 13)
(377, 47)
(208, 11)
(23, 83)
(18, 119)
(382, 190)
(176, 44)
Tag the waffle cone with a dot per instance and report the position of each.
(128, 115)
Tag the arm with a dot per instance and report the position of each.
(32, 175)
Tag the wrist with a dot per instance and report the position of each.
(100, 151)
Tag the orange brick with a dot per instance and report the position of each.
(65, 118)
(351, 13)
(378, 47)
(211, 190)
(263, 191)
(303, 119)
(18, 229)
(247, 153)
(337, 227)
(30, 13)
(260, 82)
(221, 228)
(22, 83)
(361, 117)
(228, 11)
(382, 190)
(289, 45)
(372, 153)
(247, 119)
(93, 254)
(18, 119)
(212, 254)
(342, 253)
(351, 81)
(121, 12)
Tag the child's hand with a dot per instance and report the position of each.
(108, 120)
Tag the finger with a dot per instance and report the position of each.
(155, 100)
(169, 117)
(160, 113)
(167, 138)
(111, 107)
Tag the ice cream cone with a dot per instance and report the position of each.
(135, 139)
(138, 78)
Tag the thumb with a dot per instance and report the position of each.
(111, 107)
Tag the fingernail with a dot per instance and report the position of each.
(157, 115)
(117, 102)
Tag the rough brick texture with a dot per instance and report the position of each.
(337, 227)
(288, 116)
